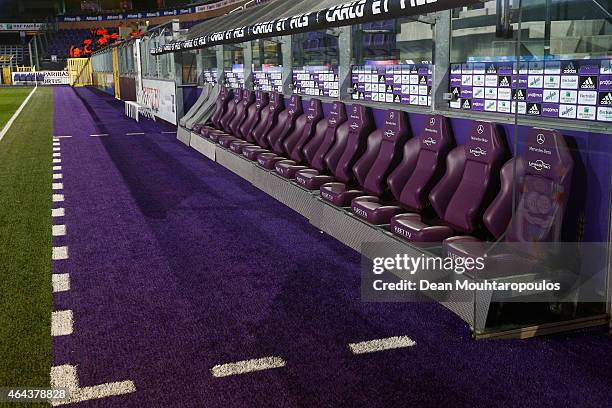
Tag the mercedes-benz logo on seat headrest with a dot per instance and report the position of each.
(432, 121)
(391, 115)
(540, 138)
(480, 129)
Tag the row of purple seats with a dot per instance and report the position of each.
(423, 187)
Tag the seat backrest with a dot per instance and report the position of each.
(544, 190)
(422, 163)
(268, 119)
(350, 142)
(324, 137)
(303, 130)
(285, 124)
(220, 106)
(230, 112)
(471, 178)
(253, 115)
(248, 99)
(382, 153)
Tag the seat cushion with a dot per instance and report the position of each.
(463, 246)
(311, 179)
(214, 136)
(268, 160)
(251, 152)
(412, 228)
(372, 210)
(226, 140)
(237, 145)
(288, 168)
(339, 194)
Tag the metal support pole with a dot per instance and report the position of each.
(36, 54)
(220, 67)
(30, 51)
(247, 51)
(287, 53)
(441, 59)
(345, 60)
(178, 82)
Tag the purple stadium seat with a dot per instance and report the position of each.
(472, 174)
(305, 127)
(543, 178)
(287, 122)
(227, 117)
(268, 120)
(421, 167)
(316, 148)
(339, 161)
(253, 114)
(373, 167)
(248, 99)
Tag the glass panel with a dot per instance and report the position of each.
(315, 62)
(393, 62)
(267, 65)
(209, 65)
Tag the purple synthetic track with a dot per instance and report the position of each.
(177, 265)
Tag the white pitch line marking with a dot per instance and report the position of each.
(57, 149)
(57, 186)
(61, 323)
(247, 366)
(57, 154)
(61, 282)
(134, 133)
(57, 176)
(58, 230)
(59, 137)
(57, 198)
(59, 253)
(57, 212)
(16, 114)
(57, 160)
(57, 168)
(99, 135)
(65, 376)
(169, 132)
(381, 344)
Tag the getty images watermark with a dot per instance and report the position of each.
(506, 272)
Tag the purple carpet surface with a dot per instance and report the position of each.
(178, 265)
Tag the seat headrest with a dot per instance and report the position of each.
(358, 118)
(261, 99)
(484, 143)
(395, 124)
(337, 115)
(315, 110)
(547, 154)
(436, 134)
(295, 105)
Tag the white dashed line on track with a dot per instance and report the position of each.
(57, 160)
(381, 344)
(60, 137)
(58, 230)
(57, 176)
(99, 135)
(57, 212)
(57, 198)
(61, 323)
(56, 149)
(247, 366)
(169, 133)
(65, 376)
(57, 168)
(60, 253)
(61, 282)
(56, 144)
(57, 186)
(57, 154)
(134, 133)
